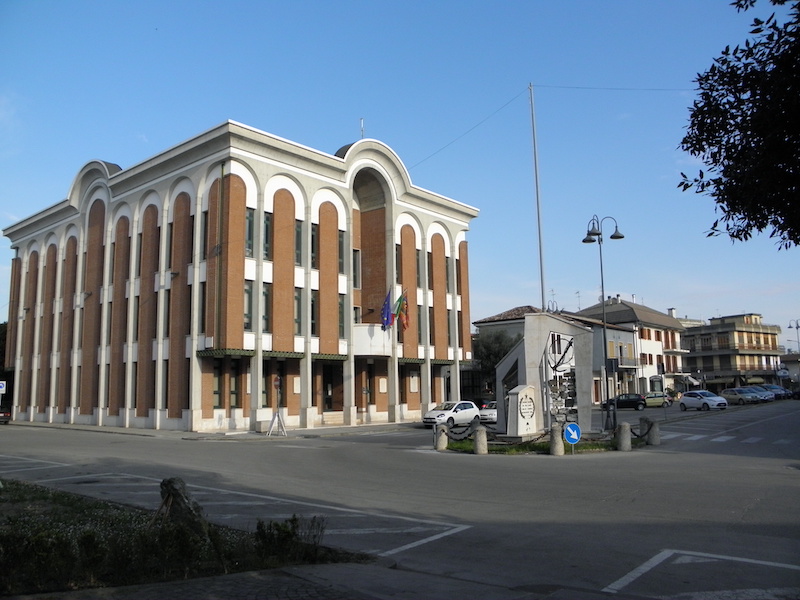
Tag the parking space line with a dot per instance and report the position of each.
(632, 576)
(659, 558)
(458, 529)
(39, 464)
(751, 561)
(81, 476)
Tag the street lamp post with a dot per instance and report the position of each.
(796, 328)
(594, 233)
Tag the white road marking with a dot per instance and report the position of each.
(682, 560)
(638, 572)
(372, 530)
(72, 477)
(743, 594)
(723, 438)
(752, 440)
(35, 464)
(424, 541)
(659, 558)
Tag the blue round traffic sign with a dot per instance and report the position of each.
(572, 433)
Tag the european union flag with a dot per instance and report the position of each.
(387, 316)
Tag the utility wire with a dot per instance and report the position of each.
(468, 131)
(552, 87)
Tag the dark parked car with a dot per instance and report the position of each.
(635, 401)
(780, 393)
(5, 414)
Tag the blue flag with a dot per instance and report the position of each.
(387, 316)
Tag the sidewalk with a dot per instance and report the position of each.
(346, 581)
(325, 430)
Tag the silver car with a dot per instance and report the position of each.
(489, 413)
(740, 396)
(763, 393)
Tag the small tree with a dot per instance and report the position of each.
(488, 350)
(745, 127)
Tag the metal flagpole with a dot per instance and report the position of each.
(545, 367)
(538, 203)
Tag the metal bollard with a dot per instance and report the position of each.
(624, 437)
(654, 436)
(556, 441)
(440, 437)
(480, 444)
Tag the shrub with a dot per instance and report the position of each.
(53, 541)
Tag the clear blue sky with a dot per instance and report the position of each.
(445, 84)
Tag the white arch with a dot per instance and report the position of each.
(435, 228)
(280, 182)
(51, 239)
(328, 195)
(386, 177)
(404, 219)
(97, 191)
(121, 211)
(461, 236)
(251, 187)
(183, 185)
(33, 246)
(379, 156)
(150, 198)
(71, 231)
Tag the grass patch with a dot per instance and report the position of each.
(55, 541)
(539, 447)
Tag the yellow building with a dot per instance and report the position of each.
(732, 351)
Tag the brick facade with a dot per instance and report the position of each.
(235, 278)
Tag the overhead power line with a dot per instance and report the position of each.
(554, 87)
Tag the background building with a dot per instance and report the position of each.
(236, 277)
(732, 351)
(650, 361)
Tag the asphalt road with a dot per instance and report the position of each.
(712, 511)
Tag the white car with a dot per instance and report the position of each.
(702, 400)
(488, 413)
(452, 413)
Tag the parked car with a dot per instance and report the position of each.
(488, 414)
(740, 396)
(636, 401)
(5, 414)
(781, 393)
(452, 413)
(481, 402)
(763, 394)
(702, 400)
(657, 399)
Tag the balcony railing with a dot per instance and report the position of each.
(734, 348)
